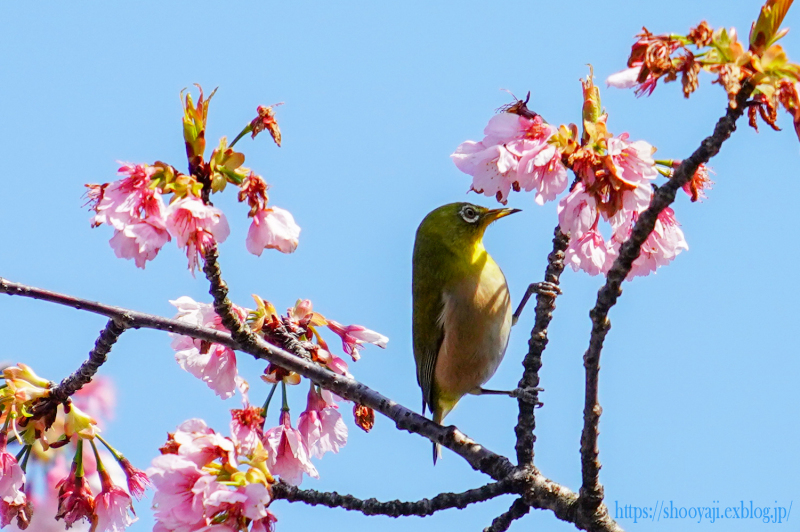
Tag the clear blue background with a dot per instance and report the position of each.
(700, 370)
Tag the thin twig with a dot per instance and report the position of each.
(83, 375)
(422, 508)
(591, 493)
(545, 304)
(519, 508)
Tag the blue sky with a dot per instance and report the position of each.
(700, 370)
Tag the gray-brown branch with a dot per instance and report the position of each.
(84, 374)
(501, 523)
(539, 491)
(395, 508)
(545, 305)
(591, 492)
(478, 456)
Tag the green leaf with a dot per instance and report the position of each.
(765, 30)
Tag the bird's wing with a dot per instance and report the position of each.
(428, 325)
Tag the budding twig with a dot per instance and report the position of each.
(545, 304)
(83, 375)
(591, 493)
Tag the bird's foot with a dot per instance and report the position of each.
(545, 288)
(528, 395)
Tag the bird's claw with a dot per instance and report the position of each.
(528, 395)
(546, 288)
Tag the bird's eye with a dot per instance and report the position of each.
(469, 214)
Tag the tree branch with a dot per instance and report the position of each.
(501, 523)
(83, 375)
(422, 508)
(591, 493)
(545, 304)
(478, 456)
(539, 491)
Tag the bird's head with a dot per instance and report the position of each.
(461, 224)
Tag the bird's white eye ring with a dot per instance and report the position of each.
(469, 214)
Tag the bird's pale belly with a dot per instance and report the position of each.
(476, 324)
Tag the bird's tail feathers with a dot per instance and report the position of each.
(438, 416)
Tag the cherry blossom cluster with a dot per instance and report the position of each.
(215, 364)
(614, 180)
(516, 153)
(763, 64)
(136, 205)
(320, 427)
(44, 439)
(206, 481)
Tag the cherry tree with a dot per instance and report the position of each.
(613, 220)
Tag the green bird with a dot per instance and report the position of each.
(462, 307)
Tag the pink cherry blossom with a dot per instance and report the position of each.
(492, 168)
(588, 253)
(490, 163)
(129, 199)
(112, 507)
(75, 501)
(202, 314)
(135, 211)
(136, 478)
(321, 425)
(202, 445)
(214, 364)
(272, 228)
(246, 428)
(14, 504)
(226, 507)
(56, 471)
(699, 182)
(632, 162)
(662, 245)
(541, 169)
(354, 336)
(217, 498)
(257, 498)
(196, 226)
(174, 478)
(624, 79)
(288, 456)
(513, 154)
(198, 486)
(12, 478)
(19, 512)
(638, 199)
(266, 524)
(577, 211)
(44, 519)
(645, 47)
(140, 241)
